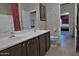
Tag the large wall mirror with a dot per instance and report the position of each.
(28, 12)
(9, 18)
(6, 18)
(17, 17)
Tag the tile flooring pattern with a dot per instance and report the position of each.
(66, 48)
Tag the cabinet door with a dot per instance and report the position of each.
(5, 52)
(36, 46)
(33, 47)
(24, 50)
(12, 51)
(42, 44)
(47, 40)
(30, 47)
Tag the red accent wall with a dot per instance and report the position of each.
(65, 19)
(16, 16)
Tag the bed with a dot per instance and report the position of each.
(64, 27)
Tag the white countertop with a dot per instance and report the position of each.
(6, 42)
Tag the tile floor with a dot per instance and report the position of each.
(66, 48)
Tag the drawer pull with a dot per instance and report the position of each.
(28, 42)
(23, 44)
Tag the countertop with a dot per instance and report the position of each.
(21, 36)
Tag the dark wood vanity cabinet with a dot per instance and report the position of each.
(47, 41)
(42, 46)
(32, 47)
(44, 41)
(36, 46)
(12, 51)
(23, 49)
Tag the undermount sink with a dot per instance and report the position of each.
(20, 35)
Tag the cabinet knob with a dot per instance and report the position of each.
(23, 44)
(28, 42)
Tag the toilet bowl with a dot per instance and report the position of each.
(53, 40)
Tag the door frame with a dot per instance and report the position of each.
(75, 25)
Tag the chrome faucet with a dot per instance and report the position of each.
(12, 34)
(34, 29)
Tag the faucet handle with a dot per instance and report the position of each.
(12, 34)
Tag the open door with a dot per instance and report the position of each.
(77, 28)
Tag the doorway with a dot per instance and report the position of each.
(77, 27)
(67, 21)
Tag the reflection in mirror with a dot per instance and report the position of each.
(28, 15)
(16, 20)
(6, 19)
(33, 19)
(26, 20)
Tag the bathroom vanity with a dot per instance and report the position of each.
(26, 43)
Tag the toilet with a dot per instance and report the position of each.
(53, 40)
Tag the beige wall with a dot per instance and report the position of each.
(53, 18)
(43, 25)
